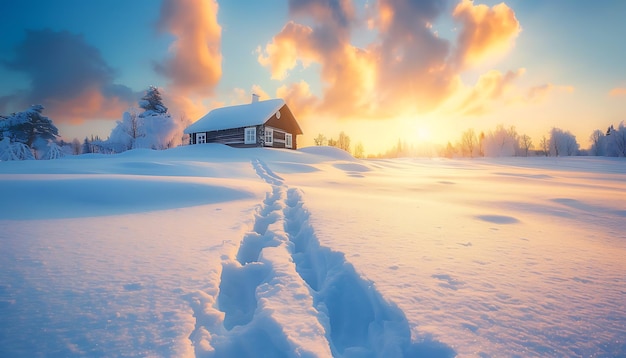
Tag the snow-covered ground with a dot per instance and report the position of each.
(208, 251)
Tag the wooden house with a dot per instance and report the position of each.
(267, 123)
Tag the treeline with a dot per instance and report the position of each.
(500, 142)
(342, 142)
(507, 142)
(30, 135)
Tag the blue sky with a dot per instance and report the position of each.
(379, 70)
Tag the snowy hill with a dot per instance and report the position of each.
(209, 251)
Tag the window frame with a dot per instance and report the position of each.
(200, 138)
(269, 133)
(249, 135)
(288, 140)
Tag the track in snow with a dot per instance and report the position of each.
(284, 295)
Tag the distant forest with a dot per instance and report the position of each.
(500, 142)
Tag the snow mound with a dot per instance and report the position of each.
(352, 167)
(331, 152)
(105, 195)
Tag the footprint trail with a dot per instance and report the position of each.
(285, 295)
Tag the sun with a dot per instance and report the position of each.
(423, 134)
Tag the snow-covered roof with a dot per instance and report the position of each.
(244, 115)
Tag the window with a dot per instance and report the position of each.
(269, 137)
(250, 135)
(200, 138)
(288, 143)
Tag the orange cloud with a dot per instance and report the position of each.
(299, 98)
(407, 68)
(88, 104)
(490, 87)
(484, 31)
(191, 107)
(617, 91)
(290, 45)
(539, 93)
(494, 88)
(196, 61)
(256, 89)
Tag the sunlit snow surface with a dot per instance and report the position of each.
(213, 251)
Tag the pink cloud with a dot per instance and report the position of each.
(541, 92)
(90, 103)
(74, 82)
(617, 91)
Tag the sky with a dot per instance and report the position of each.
(379, 70)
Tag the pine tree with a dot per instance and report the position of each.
(152, 103)
(27, 126)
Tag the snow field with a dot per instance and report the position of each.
(508, 259)
(212, 251)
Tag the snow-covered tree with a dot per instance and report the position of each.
(53, 152)
(159, 132)
(616, 141)
(124, 134)
(152, 103)
(14, 150)
(501, 142)
(86, 147)
(28, 126)
(26, 131)
(153, 129)
(563, 143)
(598, 143)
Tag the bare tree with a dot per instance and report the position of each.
(320, 139)
(544, 144)
(468, 142)
(525, 143)
(481, 144)
(133, 124)
(449, 151)
(359, 151)
(76, 146)
(343, 142)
